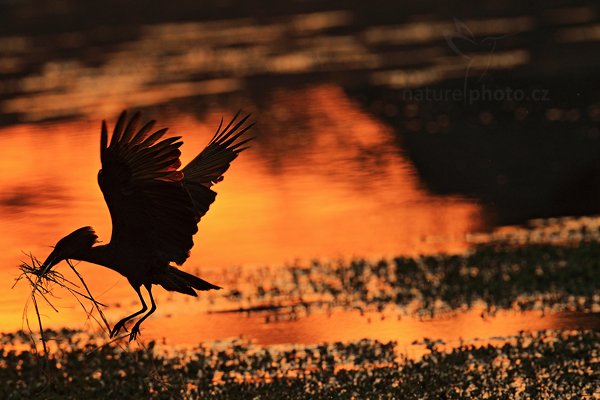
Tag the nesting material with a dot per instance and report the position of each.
(44, 283)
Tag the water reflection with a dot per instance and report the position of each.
(351, 326)
(328, 176)
(325, 181)
(97, 69)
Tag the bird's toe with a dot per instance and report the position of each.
(135, 332)
(116, 329)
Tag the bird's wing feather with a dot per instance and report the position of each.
(150, 209)
(209, 166)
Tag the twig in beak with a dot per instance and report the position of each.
(41, 285)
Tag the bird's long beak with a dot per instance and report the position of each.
(50, 262)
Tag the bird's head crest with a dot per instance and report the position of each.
(71, 246)
(80, 239)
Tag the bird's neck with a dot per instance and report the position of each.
(101, 255)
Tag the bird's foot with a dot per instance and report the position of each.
(135, 331)
(118, 326)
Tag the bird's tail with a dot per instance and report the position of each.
(180, 281)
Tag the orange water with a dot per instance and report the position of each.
(330, 183)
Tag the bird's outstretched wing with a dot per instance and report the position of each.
(151, 211)
(209, 166)
(154, 207)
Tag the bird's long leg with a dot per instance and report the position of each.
(121, 323)
(136, 328)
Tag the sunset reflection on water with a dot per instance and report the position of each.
(348, 326)
(323, 181)
(346, 163)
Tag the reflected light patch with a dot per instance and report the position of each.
(323, 179)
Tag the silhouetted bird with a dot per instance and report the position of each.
(154, 207)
